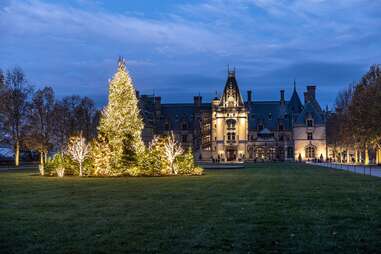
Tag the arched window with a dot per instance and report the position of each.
(310, 152)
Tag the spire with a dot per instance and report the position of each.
(295, 105)
(121, 63)
(231, 91)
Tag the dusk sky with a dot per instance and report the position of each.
(179, 48)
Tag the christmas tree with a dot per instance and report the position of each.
(120, 126)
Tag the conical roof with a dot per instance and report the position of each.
(231, 96)
(295, 105)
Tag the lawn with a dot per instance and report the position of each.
(287, 208)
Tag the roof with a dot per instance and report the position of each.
(295, 105)
(310, 111)
(231, 90)
(268, 113)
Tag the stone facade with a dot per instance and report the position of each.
(230, 129)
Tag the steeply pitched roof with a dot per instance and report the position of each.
(310, 111)
(295, 105)
(179, 113)
(231, 90)
(268, 113)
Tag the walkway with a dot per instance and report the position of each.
(372, 170)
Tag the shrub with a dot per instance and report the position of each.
(198, 171)
(185, 164)
(61, 162)
(134, 171)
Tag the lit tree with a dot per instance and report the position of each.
(121, 123)
(172, 149)
(78, 149)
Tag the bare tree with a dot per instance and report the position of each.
(73, 115)
(39, 128)
(15, 96)
(172, 149)
(78, 149)
(86, 116)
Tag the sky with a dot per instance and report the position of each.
(177, 48)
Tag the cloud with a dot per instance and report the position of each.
(75, 43)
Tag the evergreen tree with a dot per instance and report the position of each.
(121, 124)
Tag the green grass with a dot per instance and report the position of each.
(287, 208)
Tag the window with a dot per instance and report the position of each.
(290, 152)
(270, 116)
(260, 127)
(184, 126)
(281, 127)
(184, 138)
(231, 124)
(309, 136)
(231, 136)
(310, 123)
(281, 138)
(166, 126)
(310, 152)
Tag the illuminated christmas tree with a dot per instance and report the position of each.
(120, 126)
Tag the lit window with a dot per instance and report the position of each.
(310, 152)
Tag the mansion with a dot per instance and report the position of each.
(229, 129)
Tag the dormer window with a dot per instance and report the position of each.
(310, 123)
(270, 116)
(231, 124)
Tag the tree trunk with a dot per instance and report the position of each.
(80, 168)
(366, 155)
(41, 158)
(17, 153)
(378, 156)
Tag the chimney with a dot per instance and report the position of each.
(249, 96)
(282, 101)
(309, 95)
(311, 89)
(197, 101)
(157, 105)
